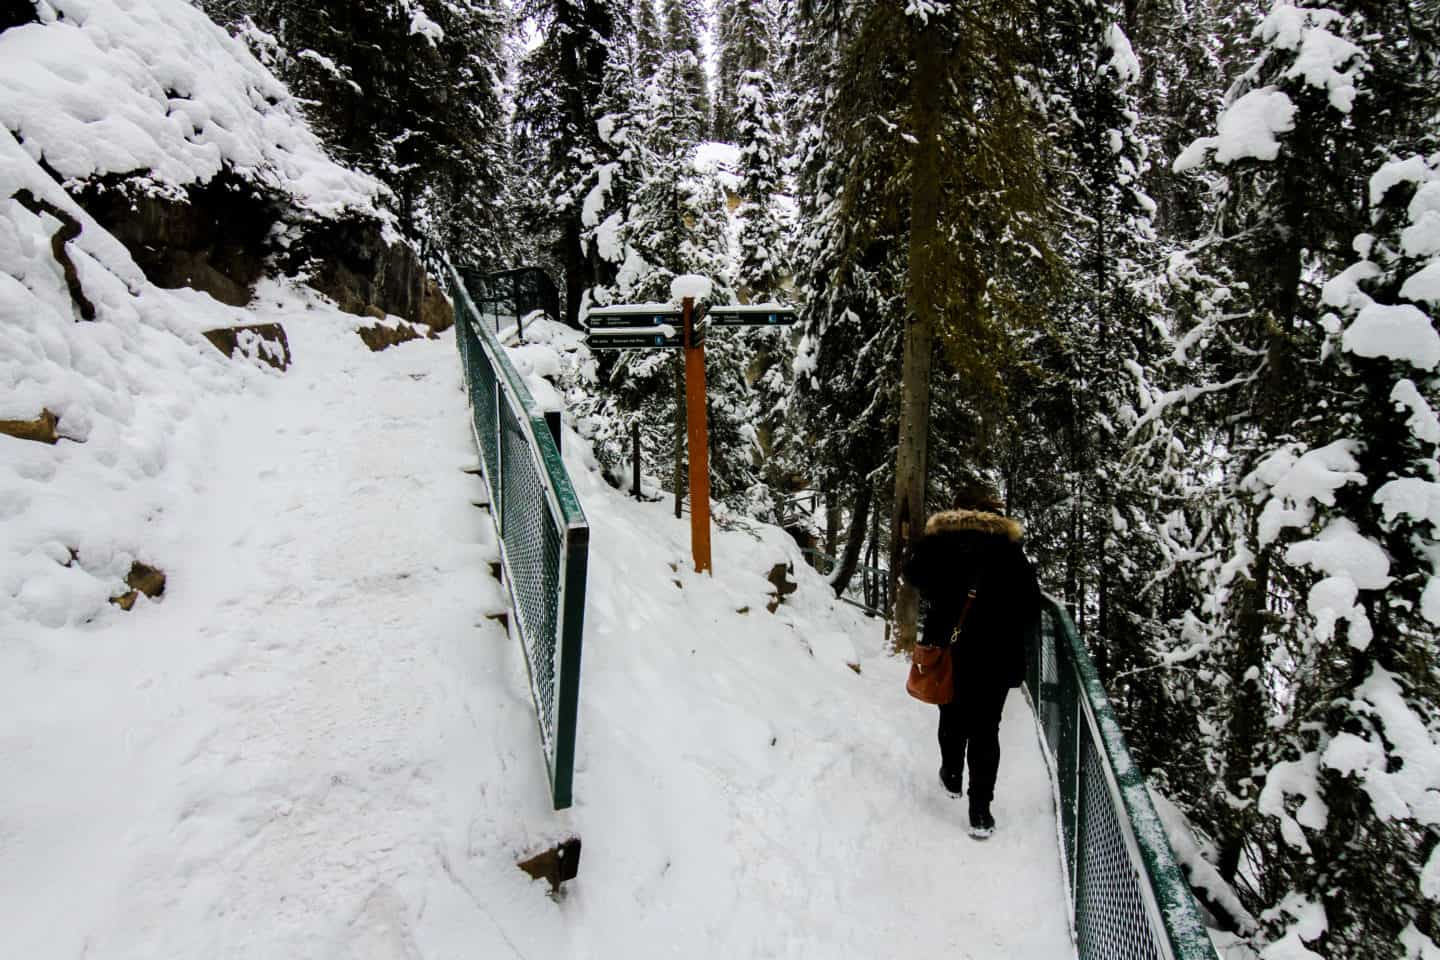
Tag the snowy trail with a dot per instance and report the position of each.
(316, 745)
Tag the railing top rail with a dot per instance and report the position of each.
(566, 501)
(1186, 932)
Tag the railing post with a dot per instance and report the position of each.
(552, 420)
(496, 398)
(635, 459)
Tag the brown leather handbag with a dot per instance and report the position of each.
(932, 667)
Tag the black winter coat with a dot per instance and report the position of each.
(965, 548)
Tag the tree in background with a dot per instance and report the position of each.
(408, 92)
(1084, 387)
(760, 269)
(939, 149)
(650, 42)
(848, 277)
(1308, 652)
(559, 106)
(682, 21)
(745, 40)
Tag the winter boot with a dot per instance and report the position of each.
(982, 824)
(952, 782)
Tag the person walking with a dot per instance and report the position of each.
(972, 556)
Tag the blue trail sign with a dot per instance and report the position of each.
(635, 326)
(652, 325)
(750, 315)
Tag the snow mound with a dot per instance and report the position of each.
(154, 89)
(123, 386)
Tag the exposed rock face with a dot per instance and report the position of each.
(779, 579)
(350, 262)
(556, 865)
(69, 230)
(142, 578)
(214, 240)
(218, 239)
(381, 335)
(435, 311)
(264, 341)
(13, 13)
(41, 429)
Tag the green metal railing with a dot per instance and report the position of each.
(544, 538)
(1128, 897)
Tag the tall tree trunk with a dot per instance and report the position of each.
(854, 537)
(1247, 727)
(832, 523)
(871, 576)
(920, 314)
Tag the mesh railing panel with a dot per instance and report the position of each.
(544, 539)
(533, 554)
(1110, 917)
(1128, 898)
(484, 401)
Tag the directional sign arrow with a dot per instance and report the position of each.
(751, 315)
(633, 315)
(634, 337)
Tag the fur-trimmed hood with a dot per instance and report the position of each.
(981, 521)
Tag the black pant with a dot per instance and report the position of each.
(971, 723)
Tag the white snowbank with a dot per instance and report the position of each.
(317, 744)
(124, 386)
(154, 89)
(720, 162)
(716, 157)
(1200, 872)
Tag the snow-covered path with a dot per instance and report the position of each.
(317, 745)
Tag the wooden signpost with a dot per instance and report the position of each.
(664, 326)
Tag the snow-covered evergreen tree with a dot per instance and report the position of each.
(649, 40)
(760, 263)
(1294, 547)
(559, 106)
(683, 21)
(409, 91)
(745, 42)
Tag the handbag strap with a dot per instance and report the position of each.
(964, 612)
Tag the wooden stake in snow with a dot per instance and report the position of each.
(697, 430)
(646, 326)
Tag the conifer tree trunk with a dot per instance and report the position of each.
(1246, 728)
(910, 467)
(854, 536)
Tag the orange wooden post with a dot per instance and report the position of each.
(698, 436)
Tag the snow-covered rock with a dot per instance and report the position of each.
(152, 89)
